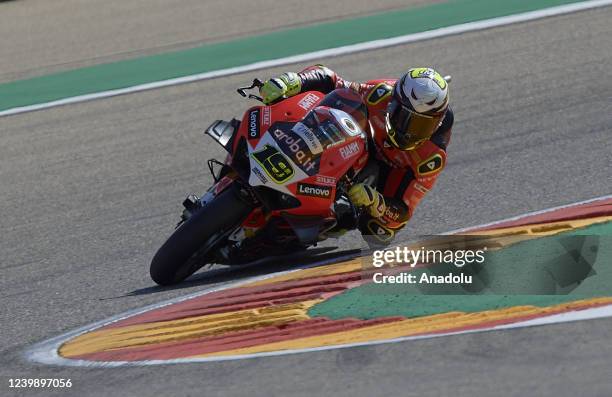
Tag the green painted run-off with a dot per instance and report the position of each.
(517, 275)
(248, 50)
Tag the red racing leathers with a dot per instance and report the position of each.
(404, 176)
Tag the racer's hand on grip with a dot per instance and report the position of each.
(366, 196)
(285, 85)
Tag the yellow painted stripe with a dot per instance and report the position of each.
(188, 328)
(543, 229)
(319, 271)
(408, 327)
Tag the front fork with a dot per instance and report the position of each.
(193, 203)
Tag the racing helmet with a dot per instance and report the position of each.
(418, 106)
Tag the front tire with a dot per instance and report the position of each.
(187, 249)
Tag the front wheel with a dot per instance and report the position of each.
(187, 249)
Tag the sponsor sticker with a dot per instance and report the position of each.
(427, 72)
(223, 183)
(266, 116)
(307, 189)
(378, 231)
(393, 213)
(379, 92)
(420, 188)
(379, 121)
(308, 101)
(302, 157)
(326, 180)
(431, 165)
(259, 174)
(309, 137)
(253, 128)
(274, 164)
(349, 150)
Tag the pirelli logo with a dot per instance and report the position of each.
(306, 189)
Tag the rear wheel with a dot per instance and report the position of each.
(189, 247)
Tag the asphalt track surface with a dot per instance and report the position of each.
(89, 192)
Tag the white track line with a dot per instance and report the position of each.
(46, 352)
(332, 52)
(516, 218)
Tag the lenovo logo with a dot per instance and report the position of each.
(254, 124)
(306, 189)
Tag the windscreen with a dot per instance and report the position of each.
(332, 120)
(340, 115)
(349, 102)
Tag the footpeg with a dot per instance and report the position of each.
(192, 204)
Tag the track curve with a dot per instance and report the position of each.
(273, 314)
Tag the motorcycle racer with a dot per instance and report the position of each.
(410, 125)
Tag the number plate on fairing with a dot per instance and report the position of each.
(274, 163)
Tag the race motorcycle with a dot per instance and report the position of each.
(282, 188)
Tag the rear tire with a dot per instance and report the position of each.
(188, 248)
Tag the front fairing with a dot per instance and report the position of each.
(306, 158)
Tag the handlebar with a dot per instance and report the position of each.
(256, 84)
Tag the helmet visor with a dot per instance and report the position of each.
(408, 129)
